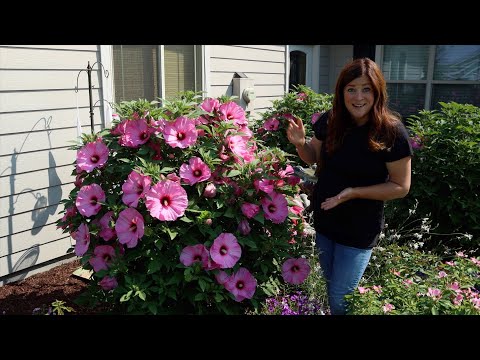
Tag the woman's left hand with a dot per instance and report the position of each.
(343, 196)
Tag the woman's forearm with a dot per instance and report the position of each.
(306, 152)
(386, 191)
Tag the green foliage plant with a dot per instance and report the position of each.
(446, 170)
(303, 103)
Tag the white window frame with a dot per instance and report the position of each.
(108, 89)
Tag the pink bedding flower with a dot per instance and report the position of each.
(92, 155)
(166, 200)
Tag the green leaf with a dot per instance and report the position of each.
(233, 173)
(141, 295)
(126, 297)
(172, 234)
(260, 218)
(203, 284)
(153, 308)
(229, 213)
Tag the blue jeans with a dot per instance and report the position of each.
(343, 267)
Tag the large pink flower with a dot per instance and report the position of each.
(295, 271)
(210, 105)
(266, 185)
(195, 171)
(250, 210)
(92, 155)
(108, 283)
(242, 284)
(225, 250)
(106, 231)
(134, 188)
(82, 238)
(167, 200)
(271, 124)
(102, 257)
(230, 111)
(89, 199)
(275, 207)
(135, 133)
(129, 227)
(194, 253)
(180, 133)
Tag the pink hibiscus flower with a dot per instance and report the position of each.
(102, 257)
(108, 283)
(180, 133)
(89, 199)
(166, 201)
(129, 227)
(92, 155)
(195, 171)
(194, 253)
(231, 111)
(106, 231)
(295, 271)
(82, 238)
(242, 284)
(134, 187)
(275, 207)
(225, 250)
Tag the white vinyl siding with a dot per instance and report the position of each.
(265, 64)
(38, 112)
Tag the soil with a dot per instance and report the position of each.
(40, 290)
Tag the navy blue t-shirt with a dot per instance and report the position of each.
(356, 222)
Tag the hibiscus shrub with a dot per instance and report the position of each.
(303, 103)
(176, 210)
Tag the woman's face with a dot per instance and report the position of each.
(359, 98)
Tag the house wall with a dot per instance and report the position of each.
(263, 63)
(38, 112)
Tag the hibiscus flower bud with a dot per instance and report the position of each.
(244, 227)
(210, 191)
(208, 222)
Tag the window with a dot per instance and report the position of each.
(419, 76)
(138, 71)
(298, 69)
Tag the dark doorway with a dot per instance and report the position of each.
(298, 69)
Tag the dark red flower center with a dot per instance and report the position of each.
(94, 158)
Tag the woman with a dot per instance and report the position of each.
(363, 150)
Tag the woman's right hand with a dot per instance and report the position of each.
(296, 132)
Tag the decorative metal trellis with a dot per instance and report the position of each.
(89, 74)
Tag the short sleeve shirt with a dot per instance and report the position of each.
(356, 222)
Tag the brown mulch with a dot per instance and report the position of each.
(40, 290)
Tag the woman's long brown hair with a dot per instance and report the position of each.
(382, 128)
